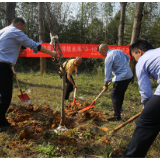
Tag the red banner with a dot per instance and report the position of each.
(74, 50)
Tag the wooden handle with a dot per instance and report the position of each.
(75, 91)
(75, 88)
(123, 124)
(101, 92)
(91, 105)
(18, 83)
(99, 95)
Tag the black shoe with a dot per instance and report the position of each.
(7, 124)
(113, 119)
(2, 129)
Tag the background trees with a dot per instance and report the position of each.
(85, 22)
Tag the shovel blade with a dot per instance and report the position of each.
(100, 131)
(84, 109)
(75, 103)
(24, 98)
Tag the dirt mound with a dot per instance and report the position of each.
(72, 110)
(32, 120)
(64, 140)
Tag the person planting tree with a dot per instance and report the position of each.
(70, 66)
(148, 123)
(11, 40)
(116, 62)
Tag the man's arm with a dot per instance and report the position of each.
(27, 42)
(76, 71)
(144, 85)
(52, 53)
(126, 56)
(14, 73)
(108, 69)
(70, 80)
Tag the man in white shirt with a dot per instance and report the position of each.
(11, 40)
(116, 63)
(148, 123)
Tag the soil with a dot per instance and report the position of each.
(31, 121)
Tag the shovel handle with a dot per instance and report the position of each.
(75, 91)
(123, 124)
(101, 93)
(19, 85)
(91, 105)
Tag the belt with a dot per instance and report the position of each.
(6, 64)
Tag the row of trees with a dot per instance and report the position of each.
(86, 22)
(89, 20)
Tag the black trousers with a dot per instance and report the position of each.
(69, 87)
(117, 96)
(6, 86)
(147, 128)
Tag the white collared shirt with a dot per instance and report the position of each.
(116, 63)
(148, 66)
(11, 40)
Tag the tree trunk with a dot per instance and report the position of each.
(10, 12)
(137, 21)
(81, 21)
(122, 22)
(136, 29)
(41, 34)
(62, 122)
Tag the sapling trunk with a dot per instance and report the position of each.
(62, 122)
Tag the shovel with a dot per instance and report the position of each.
(92, 104)
(23, 97)
(74, 98)
(104, 131)
(123, 124)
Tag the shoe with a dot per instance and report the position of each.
(113, 119)
(2, 129)
(7, 124)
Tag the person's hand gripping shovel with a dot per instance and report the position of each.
(74, 98)
(92, 104)
(23, 97)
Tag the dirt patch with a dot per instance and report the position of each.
(72, 110)
(64, 140)
(118, 152)
(31, 121)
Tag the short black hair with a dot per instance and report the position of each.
(98, 47)
(23, 47)
(16, 20)
(141, 44)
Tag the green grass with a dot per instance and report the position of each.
(46, 90)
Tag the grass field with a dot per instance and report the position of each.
(46, 90)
